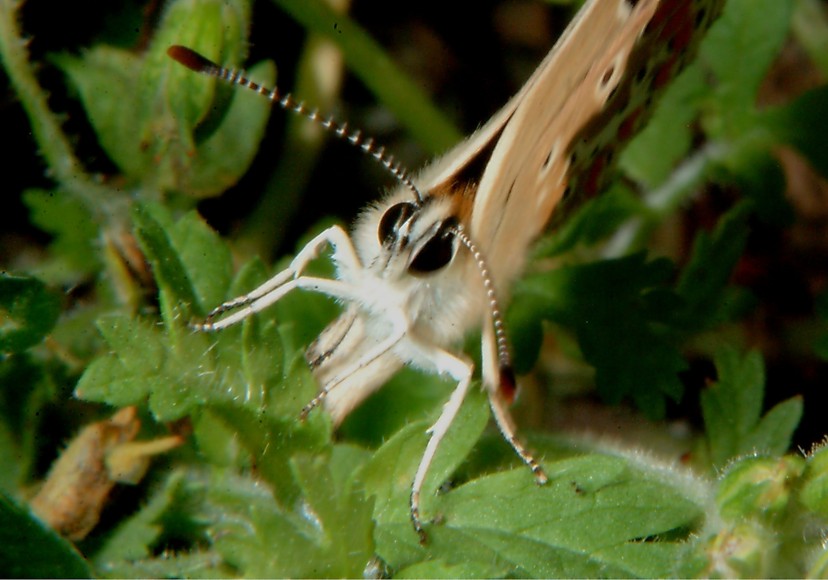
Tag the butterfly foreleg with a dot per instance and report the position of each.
(333, 288)
(460, 370)
(344, 255)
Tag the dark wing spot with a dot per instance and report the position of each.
(641, 74)
(548, 160)
(607, 76)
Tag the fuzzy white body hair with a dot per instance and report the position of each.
(437, 309)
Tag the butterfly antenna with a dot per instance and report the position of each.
(504, 360)
(201, 64)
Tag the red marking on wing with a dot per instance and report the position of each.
(664, 74)
(684, 35)
(662, 14)
(629, 126)
(593, 175)
(676, 24)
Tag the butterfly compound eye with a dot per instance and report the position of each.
(392, 220)
(437, 252)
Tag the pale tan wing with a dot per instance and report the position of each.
(528, 172)
(444, 171)
(333, 354)
(589, 94)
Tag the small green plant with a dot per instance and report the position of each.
(253, 491)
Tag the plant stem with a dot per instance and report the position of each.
(104, 204)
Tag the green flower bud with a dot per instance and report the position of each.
(759, 486)
(814, 492)
(743, 551)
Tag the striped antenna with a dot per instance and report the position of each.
(201, 64)
(507, 380)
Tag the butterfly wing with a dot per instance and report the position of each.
(332, 355)
(588, 96)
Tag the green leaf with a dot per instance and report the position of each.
(28, 312)
(732, 409)
(106, 380)
(74, 252)
(179, 377)
(773, 434)
(760, 179)
(106, 79)
(215, 29)
(135, 537)
(621, 331)
(223, 155)
(163, 125)
(802, 124)
(29, 549)
(205, 133)
(652, 156)
(272, 442)
(192, 265)
(730, 406)
(702, 282)
(596, 517)
(179, 369)
(128, 375)
(390, 472)
(177, 294)
(757, 28)
(440, 569)
(195, 564)
(138, 343)
(560, 519)
(205, 258)
(328, 533)
(26, 391)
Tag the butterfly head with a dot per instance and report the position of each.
(424, 233)
(410, 240)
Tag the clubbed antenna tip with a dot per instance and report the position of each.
(191, 59)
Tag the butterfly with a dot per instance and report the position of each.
(435, 257)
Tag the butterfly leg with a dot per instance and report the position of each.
(493, 378)
(334, 288)
(344, 256)
(461, 370)
(398, 332)
(507, 429)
